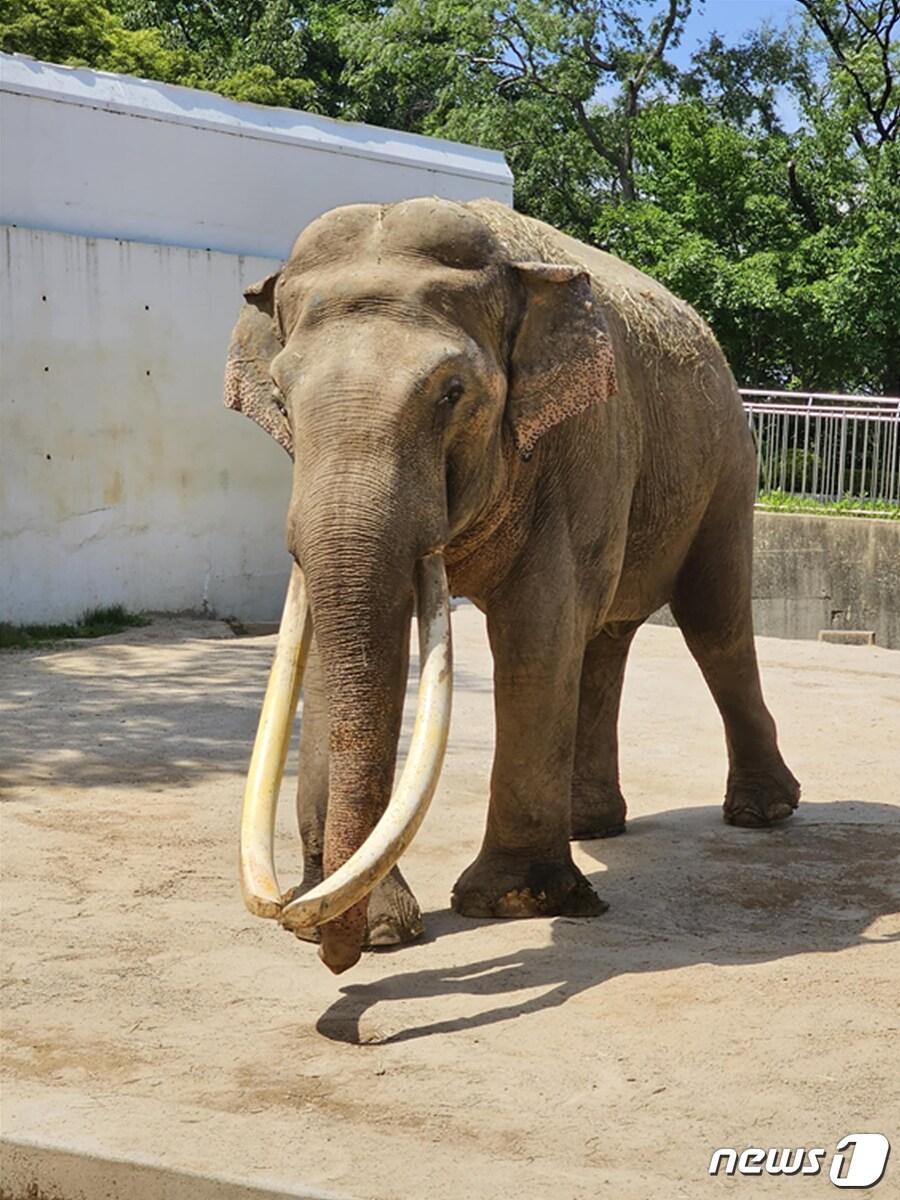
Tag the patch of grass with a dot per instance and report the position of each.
(849, 506)
(96, 622)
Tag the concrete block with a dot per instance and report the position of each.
(32, 1170)
(814, 574)
(848, 637)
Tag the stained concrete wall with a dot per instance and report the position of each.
(133, 215)
(124, 479)
(105, 155)
(816, 573)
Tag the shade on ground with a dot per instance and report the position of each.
(740, 991)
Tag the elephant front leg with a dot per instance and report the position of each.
(394, 917)
(525, 867)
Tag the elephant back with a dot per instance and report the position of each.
(647, 311)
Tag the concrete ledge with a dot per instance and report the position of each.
(35, 1171)
(814, 574)
(838, 573)
(848, 637)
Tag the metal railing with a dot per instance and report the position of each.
(826, 446)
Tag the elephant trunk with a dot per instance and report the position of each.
(359, 579)
(361, 595)
(349, 884)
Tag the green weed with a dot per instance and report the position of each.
(96, 622)
(848, 506)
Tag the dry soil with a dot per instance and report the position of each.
(742, 989)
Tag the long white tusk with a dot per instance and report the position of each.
(419, 778)
(259, 882)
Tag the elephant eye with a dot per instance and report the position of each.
(278, 399)
(452, 392)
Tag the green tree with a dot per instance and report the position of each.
(524, 76)
(266, 51)
(863, 37)
(743, 82)
(714, 222)
(282, 52)
(87, 33)
(786, 238)
(851, 155)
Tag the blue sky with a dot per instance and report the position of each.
(732, 18)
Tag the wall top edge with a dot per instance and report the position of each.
(11, 228)
(130, 96)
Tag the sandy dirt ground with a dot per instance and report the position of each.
(741, 991)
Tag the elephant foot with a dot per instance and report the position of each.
(507, 885)
(597, 812)
(394, 917)
(756, 800)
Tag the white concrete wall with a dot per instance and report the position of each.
(124, 479)
(134, 214)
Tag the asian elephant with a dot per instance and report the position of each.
(464, 388)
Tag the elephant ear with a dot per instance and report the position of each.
(562, 361)
(254, 343)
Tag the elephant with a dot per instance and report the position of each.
(479, 405)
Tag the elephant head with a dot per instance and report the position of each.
(402, 357)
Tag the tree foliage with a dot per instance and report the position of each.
(89, 33)
(761, 182)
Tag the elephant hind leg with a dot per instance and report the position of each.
(712, 605)
(394, 917)
(598, 806)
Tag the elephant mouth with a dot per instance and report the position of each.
(412, 793)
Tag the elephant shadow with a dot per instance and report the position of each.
(684, 889)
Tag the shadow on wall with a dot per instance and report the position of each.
(684, 889)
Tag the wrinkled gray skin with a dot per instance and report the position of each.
(462, 377)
